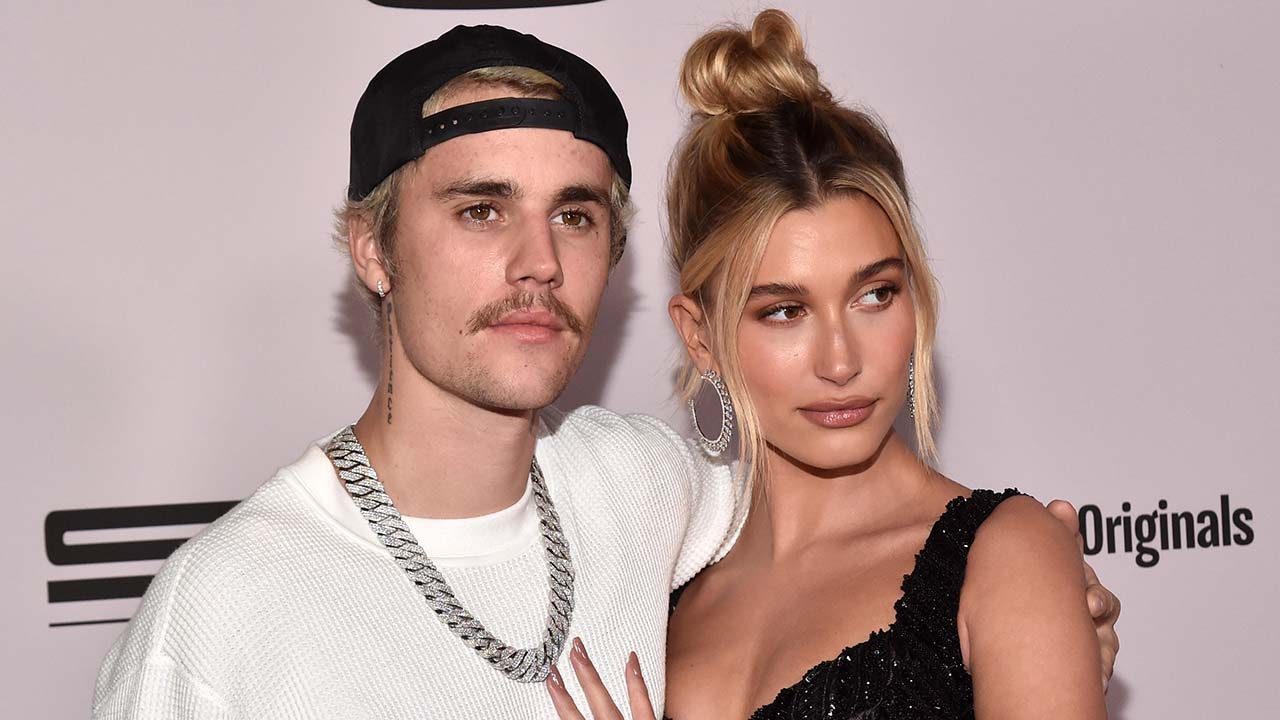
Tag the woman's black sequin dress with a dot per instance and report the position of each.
(913, 669)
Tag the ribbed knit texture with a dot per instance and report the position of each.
(288, 607)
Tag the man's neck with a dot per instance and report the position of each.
(442, 457)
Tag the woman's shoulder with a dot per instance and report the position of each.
(1024, 593)
(1018, 526)
(1004, 544)
(1021, 556)
(955, 513)
(991, 519)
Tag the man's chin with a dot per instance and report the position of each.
(521, 396)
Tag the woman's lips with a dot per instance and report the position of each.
(838, 414)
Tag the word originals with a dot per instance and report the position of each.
(1152, 532)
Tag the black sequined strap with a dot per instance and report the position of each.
(931, 593)
(674, 599)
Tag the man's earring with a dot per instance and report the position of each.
(382, 294)
(714, 447)
(911, 387)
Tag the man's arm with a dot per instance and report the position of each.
(706, 495)
(156, 688)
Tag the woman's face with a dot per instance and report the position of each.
(827, 332)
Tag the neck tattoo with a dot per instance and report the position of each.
(390, 355)
(525, 665)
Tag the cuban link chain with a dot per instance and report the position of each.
(526, 665)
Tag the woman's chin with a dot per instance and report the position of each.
(847, 458)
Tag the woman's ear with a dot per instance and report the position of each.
(687, 316)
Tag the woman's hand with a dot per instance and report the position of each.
(1104, 606)
(598, 701)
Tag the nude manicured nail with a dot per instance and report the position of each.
(580, 649)
(633, 665)
(555, 678)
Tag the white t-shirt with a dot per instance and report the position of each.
(289, 607)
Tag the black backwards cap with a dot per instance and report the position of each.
(388, 129)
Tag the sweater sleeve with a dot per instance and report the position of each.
(709, 498)
(155, 689)
(141, 677)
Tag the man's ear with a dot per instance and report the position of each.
(690, 322)
(364, 254)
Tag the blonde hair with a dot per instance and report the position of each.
(767, 138)
(380, 206)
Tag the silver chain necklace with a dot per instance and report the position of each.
(520, 664)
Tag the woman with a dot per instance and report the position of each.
(804, 286)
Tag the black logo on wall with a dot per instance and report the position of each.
(112, 587)
(1148, 534)
(476, 4)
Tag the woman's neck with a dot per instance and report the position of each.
(798, 506)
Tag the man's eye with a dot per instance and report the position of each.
(480, 213)
(572, 218)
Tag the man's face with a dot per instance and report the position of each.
(502, 244)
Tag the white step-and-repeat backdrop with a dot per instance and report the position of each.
(1098, 182)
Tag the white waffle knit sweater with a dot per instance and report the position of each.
(289, 607)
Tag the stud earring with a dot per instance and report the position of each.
(382, 294)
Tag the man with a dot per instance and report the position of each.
(433, 560)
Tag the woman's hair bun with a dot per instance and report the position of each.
(732, 69)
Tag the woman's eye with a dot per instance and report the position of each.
(572, 218)
(480, 213)
(879, 296)
(782, 313)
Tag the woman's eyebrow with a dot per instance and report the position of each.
(770, 289)
(866, 272)
(859, 276)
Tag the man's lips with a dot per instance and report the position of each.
(530, 326)
(839, 413)
(532, 318)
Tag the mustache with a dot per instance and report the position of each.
(494, 311)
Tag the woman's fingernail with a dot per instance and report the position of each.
(555, 678)
(579, 649)
(633, 665)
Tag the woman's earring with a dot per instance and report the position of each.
(714, 447)
(911, 387)
(382, 294)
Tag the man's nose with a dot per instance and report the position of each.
(534, 262)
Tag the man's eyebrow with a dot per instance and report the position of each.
(478, 187)
(581, 194)
(863, 274)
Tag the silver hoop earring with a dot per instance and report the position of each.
(716, 446)
(911, 387)
(382, 294)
